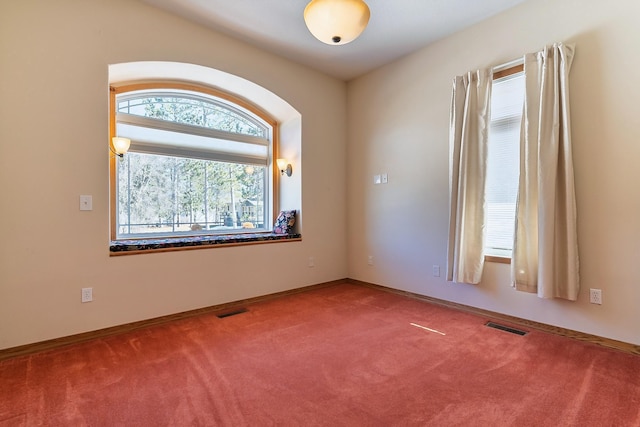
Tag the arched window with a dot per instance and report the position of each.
(200, 163)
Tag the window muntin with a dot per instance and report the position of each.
(197, 165)
(503, 163)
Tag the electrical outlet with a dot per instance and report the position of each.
(87, 294)
(436, 271)
(312, 262)
(370, 260)
(595, 296)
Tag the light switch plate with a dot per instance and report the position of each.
(86, 203)
(87, 294)
(376, 179)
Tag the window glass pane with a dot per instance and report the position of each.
(503, 163)
(165, 195)
(191, 109)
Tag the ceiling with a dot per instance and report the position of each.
(396, 28)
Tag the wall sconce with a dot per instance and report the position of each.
(284, 167)
(120, 146)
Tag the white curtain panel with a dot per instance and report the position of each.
(468, 134)
(545, 252)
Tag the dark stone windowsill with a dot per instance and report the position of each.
(123, 247)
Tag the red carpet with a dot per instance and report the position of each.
(341, 356)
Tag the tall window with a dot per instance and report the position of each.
(503, 163)
(199, 163)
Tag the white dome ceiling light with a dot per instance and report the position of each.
(336, 22)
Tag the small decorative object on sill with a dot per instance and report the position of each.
(285, 222)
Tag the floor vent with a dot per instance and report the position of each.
(505, 328)
(232, 312)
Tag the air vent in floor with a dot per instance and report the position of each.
(506, 328)
(232, 312)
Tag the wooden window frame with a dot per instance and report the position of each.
(498, 75)
(114, 90)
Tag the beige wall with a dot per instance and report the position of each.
(54, 59)
(53, 128)
(398, 123)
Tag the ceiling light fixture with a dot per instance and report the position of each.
(336, 21)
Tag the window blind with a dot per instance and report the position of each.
(153, 136)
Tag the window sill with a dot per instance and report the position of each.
(497, 259)
(128, 247)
